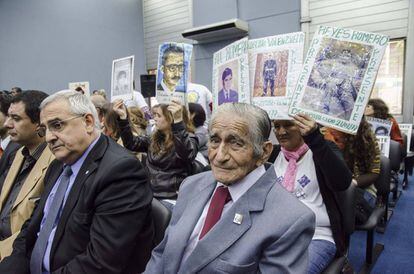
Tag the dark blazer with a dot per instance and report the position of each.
(233, 97)
(6, 160)
(333, 176)
(106, 224)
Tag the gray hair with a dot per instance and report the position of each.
(79, 104)
(258, 122)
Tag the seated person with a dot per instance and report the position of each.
(233, 219)
(8, 148)
(198, 117)
(95, 213)
(313, 170)
(138, 122)
(378, 109)
(362, 156)
(170, 150)
(23, 184)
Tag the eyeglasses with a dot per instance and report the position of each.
(55, 126)
(174, 68)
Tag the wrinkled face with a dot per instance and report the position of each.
(68, 135)
(227, 82)
(288, 134)
(230, 150)
(173, 69)
(369, 110)
(160, 120)
(19, 126)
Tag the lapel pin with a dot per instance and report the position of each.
(238, 218)
(86, 173)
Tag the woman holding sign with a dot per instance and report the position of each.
(171, 149)
(378, 109)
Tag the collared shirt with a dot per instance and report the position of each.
(165, 88)
(75, 170)
(5, 142)
(25, 169)
(236, 191)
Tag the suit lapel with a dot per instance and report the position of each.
(11, 176)
(181, 233)
(88, 167)
(34, 176)
(226, 232)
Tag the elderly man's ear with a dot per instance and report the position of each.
(90, 123)
(267, 150)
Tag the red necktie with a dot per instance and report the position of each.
(220, 197)
(1, 152)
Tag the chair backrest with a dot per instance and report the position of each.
(161, 217)
(404, 146)
(383, 183)
(412, 143)
(346, 202)
(395, 155)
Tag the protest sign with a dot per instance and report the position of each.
(337, 76)
(274, 65)
(231, 74)
(122, 78)
(173, 70)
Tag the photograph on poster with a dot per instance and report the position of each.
(173, 70)
(230, 77)
(82, 87)
(228, 82)
(336, 77)
(270, 76)
(380, 127)
(122, 78)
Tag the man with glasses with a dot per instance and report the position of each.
(172, 68)
(94, 216)
(23, 184)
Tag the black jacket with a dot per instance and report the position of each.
(333, 176)
(106, 224)
(166, 171)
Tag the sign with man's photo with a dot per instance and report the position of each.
(380, 127)
(337, 76)
(122, 78)
(173, 71)
(274, 66)
(231, 74)
(82, 87)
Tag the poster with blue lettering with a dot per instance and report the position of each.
(337, 76)
(274, 65)
(231, 74)
(173, 70)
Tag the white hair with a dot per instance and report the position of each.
(257, 120)
(79, 104)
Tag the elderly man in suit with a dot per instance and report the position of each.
(23, 183)
(94, 215)
(236, 218)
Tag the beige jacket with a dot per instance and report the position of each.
(28, 195)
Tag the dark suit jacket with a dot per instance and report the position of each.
(6, 160)
(106, 224)
(233, 97)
